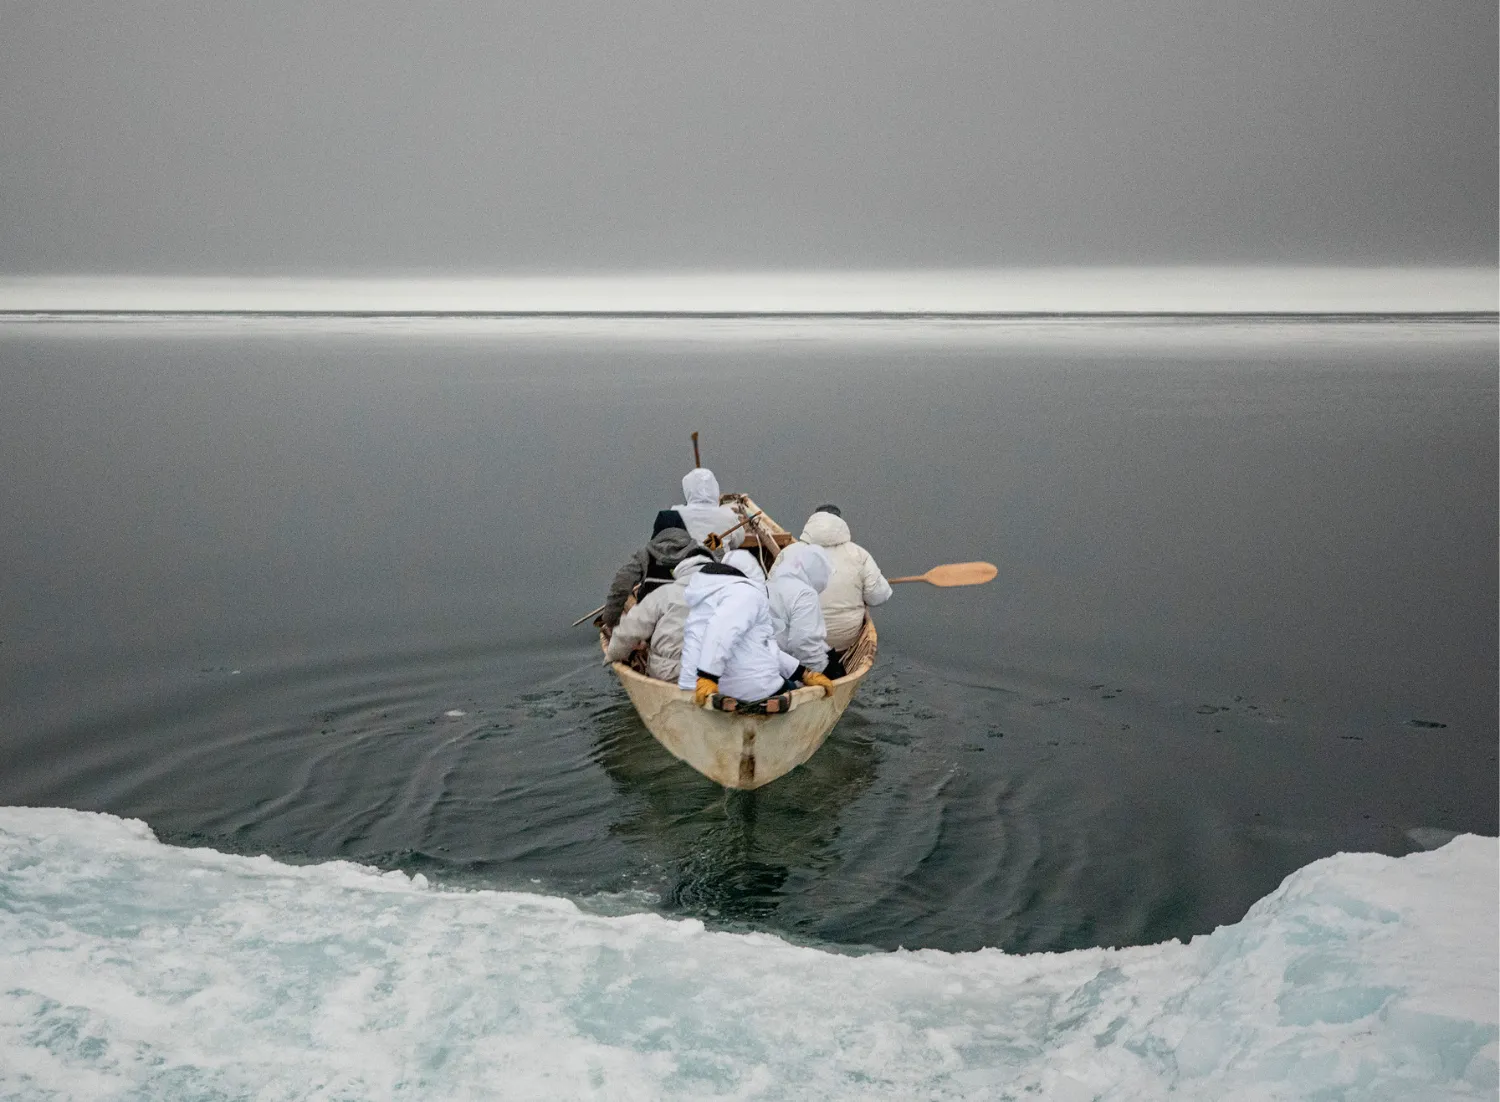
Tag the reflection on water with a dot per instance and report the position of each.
(724, 855)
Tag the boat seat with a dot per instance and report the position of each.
(771, 706)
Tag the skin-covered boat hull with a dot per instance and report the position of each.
(742, 751)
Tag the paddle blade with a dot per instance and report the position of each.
(961, 573)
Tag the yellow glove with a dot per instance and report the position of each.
(707, 686)
(811, 677)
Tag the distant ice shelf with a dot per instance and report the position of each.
(1212, 290)
(136, 970)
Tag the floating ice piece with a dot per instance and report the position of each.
(133, 969)
(1431, 837)
(455, 713)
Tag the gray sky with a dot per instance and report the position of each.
(338, 138)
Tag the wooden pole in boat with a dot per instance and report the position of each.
(696, 461)
(954, 573)
(586, 616)
(715, 540)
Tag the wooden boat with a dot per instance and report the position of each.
(745, 751)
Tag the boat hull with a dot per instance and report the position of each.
(742, 751)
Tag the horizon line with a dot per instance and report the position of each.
(996, 293)
(751, 315)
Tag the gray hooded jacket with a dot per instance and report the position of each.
(658, 618)
(668, 547)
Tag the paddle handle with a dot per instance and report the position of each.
(587, 616)
(913, 578)
(696, 461)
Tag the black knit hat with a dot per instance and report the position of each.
(667, 518)
(834, 509)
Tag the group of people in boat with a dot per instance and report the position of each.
(713, 621)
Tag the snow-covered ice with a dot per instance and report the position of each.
(135, 970)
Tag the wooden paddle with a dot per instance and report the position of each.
(954, 573)
(696, 461)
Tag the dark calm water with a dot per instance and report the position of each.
(303, 588)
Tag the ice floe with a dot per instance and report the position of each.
(132, 969)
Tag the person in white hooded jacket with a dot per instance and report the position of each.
(658, 620)
(702, 512)
(728, 643)
(856, 582)
(798, 575)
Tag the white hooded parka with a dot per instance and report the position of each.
(702, 512)
(856, 583)
(798, 575)
(728, 632)
(659, 618)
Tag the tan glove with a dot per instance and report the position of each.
(707, 686)
(811, 677)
